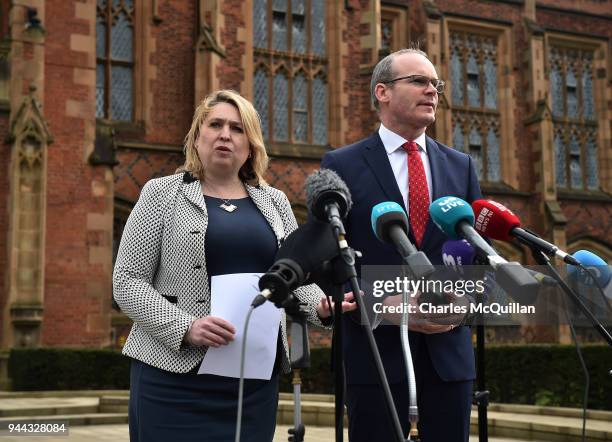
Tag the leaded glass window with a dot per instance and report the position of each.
(115, 59)
(260, 88)
(476, 118)
(574, 119)
(281, 99)
(290, 84)
(319, 101)
(386, 37)
(300, 111)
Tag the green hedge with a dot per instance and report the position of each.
(549, 375)
(68, 369)
(521, 374)
(525, 374)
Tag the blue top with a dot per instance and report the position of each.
(238, 242)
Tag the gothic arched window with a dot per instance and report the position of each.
(290, 83)
(574, 118)
(115, 59)
(475, 111)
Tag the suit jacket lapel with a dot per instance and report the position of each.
(376, 157)
(437, 161)
(193, 192)
(264, 202)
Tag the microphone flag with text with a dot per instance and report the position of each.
(455, 218)
(496, 221)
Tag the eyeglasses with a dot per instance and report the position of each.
(421, 81)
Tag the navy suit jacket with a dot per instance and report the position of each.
(365, 168)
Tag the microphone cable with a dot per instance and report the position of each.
(241, 383)
(587, 376)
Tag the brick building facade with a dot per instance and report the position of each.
(96, 97)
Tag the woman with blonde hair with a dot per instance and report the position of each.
(217, 216)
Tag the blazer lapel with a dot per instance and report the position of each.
(193, 192)
(376, 157)
(264, 202)
(437, 161)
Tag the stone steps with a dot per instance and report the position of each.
(70, 419)
(530, 422)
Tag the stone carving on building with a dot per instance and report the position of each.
(29, 136)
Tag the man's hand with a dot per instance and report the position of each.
(210, 331)
(324, 310)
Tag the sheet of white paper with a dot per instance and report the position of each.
(231, 297)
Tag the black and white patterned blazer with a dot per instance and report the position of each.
(160, 279)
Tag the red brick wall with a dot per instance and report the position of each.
(67, 305)
(289, 176)
(597, 7)
(173, 58)
(588, 219)
(136, 167)
(571, 22)
(230, 71)
(360, 119)
(4, 19)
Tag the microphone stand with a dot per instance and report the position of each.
(481, 396)
(340, 270)
(541, 258)
(413, 409)
(300, 358)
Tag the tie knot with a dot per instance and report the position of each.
(410, 146)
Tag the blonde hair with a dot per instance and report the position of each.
(256, 165)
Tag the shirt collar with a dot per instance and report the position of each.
(393, 141)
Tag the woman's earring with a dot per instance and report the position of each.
(250, 154)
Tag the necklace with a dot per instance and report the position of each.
(228, 206)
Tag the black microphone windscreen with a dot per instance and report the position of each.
(309, 246)
(323, 185)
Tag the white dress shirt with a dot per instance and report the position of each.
(398, 158)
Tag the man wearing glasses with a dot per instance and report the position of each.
(400, 163)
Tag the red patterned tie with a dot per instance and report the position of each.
(418, 193)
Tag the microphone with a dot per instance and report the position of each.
(328, 197)
(498, 222)
(303, 253)
(455, 217)
(390, 225)
(457, 253)
(597, 267)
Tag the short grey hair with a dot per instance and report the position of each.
(383, 72)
